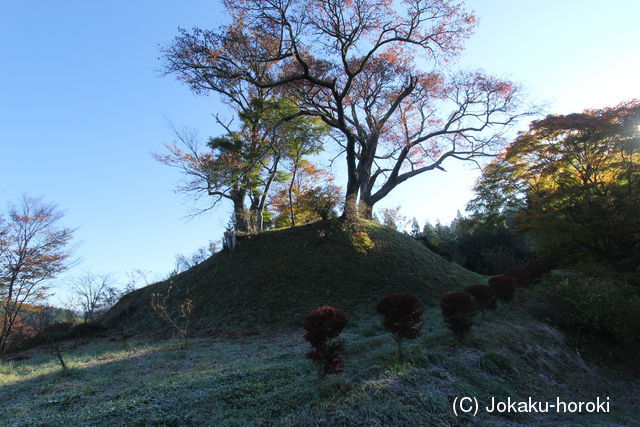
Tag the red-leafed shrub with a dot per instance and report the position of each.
(458, 309)
(504, 288)
(540, 267)
(402, 317)
(485, 296)
(323, 325)
(522, 276)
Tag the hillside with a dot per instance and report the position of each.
(246, 364)
(276, 277)
(234, 379)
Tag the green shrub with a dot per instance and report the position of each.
(595, 306)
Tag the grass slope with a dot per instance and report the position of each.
(277, 277)
(266, 380)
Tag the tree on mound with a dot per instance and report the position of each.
(357, 66)
(244, 163)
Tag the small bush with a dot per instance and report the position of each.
(402, 317)
(540, 267)
(504, 288)
(180, 323)
(485, 296)
(522, 276)
(361, 242)
(87, 329)
(458, 309)
(323, 325)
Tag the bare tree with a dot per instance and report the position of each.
(391, 217)
(32, 250)
(138, 278)
(180, 323)
(92, 292)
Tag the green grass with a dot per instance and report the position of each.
(266, 379)
(248, 365)
(275, 278)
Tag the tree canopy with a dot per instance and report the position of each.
(371, 69)
(33, 249)
(244, 163)
(572, 182)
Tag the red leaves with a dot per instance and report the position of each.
(322, 325)
(504, 288)
(32, 250)
(458, 309)
(485, 296)
(402, 315)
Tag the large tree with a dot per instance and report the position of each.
(243, 164)
(374, 70)
(33, 250)
(572, 182)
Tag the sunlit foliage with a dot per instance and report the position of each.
(572, 183)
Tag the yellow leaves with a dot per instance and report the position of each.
(361, 242)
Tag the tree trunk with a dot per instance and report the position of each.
(350, 206)
(351, 197)
(400, 355)
(365, 209)
(259, 199)
(293, 178)
(239, 212)
(10, 309)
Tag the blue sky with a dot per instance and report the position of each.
(83, 105)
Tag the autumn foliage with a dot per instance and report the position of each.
(485, 296)
(540, 267)
(521, 275)
(308, 196)
(20, 331)
(572, 183)
(359, 66)
(504, 287)
(323, 325)
(33, 250)
(458, 309)
(402, 317)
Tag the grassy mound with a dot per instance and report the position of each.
(277, 277)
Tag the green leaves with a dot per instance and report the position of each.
(572, 183)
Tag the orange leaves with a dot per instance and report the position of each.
(32, 250)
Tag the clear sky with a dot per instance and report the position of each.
(83, 105)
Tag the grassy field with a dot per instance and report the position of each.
(245, 379)
(247, 365)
